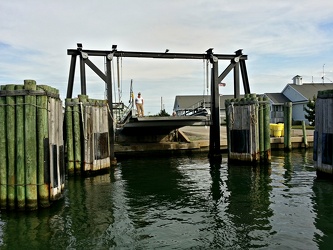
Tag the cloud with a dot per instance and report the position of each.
(282, 38)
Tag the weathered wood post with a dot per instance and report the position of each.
(77, 135)
(43, 144)
(214, 132)
(10, 123)
(111, 121)
(69, 136)
(261, 131)
(266, 128)
(305, 139)
(287, 125)
(20, 165)
(30, 146)
(3, 154)
(323, 135)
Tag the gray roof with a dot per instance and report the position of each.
(277, 98)
(308, 90)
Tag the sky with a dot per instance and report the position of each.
(282, 39)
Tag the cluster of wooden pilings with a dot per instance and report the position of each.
(87, 135)
(32, 172)
(248, 129)
(323, 135)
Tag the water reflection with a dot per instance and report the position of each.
(184, 202)
(323, 204)
(249, 205)
(291, 196)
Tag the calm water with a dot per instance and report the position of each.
(178, 203)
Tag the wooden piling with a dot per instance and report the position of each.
(30, 146)
(60, 142)
(3, 154)
(89, 123)
(252, 100)
(10, 123)
(266, 128)
(287, 125)
(77, 136)
(227, 104)
(96, 122)
(261, 131)
(323, 140)
(105, 143)
(248, 130)
(20, 164)
(305, 139)
(43, 177)
(25, 128)
(55, 189)
(69, 136)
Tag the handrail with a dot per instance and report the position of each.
(202, 107)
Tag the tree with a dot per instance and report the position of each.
(310, 111)
(163, 113)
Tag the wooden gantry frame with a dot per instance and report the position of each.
(237, 64)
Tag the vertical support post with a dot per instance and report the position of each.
(42, 138)
(83, 76)
(11, 161)
(287, 125)
(77, 136)
(20, 166)
(71, 77)
(214, 135)
(245, 78)
(30, 136)
(305, 139)
(3, 152)
(69, 135)
(227, 104)
(110, 119)
(266, 128)
(261, 129)
(236, 81)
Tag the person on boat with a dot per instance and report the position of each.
(139, 105)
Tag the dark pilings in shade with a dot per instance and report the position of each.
(247, 129)
(214, 132)
(323, 135)
(261, 131)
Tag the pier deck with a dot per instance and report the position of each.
(197, 138)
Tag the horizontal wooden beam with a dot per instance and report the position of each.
(160, 55)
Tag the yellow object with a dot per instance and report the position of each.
(279, 130)
(280, 127)
(272, 128)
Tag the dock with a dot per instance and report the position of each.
(196, 138)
